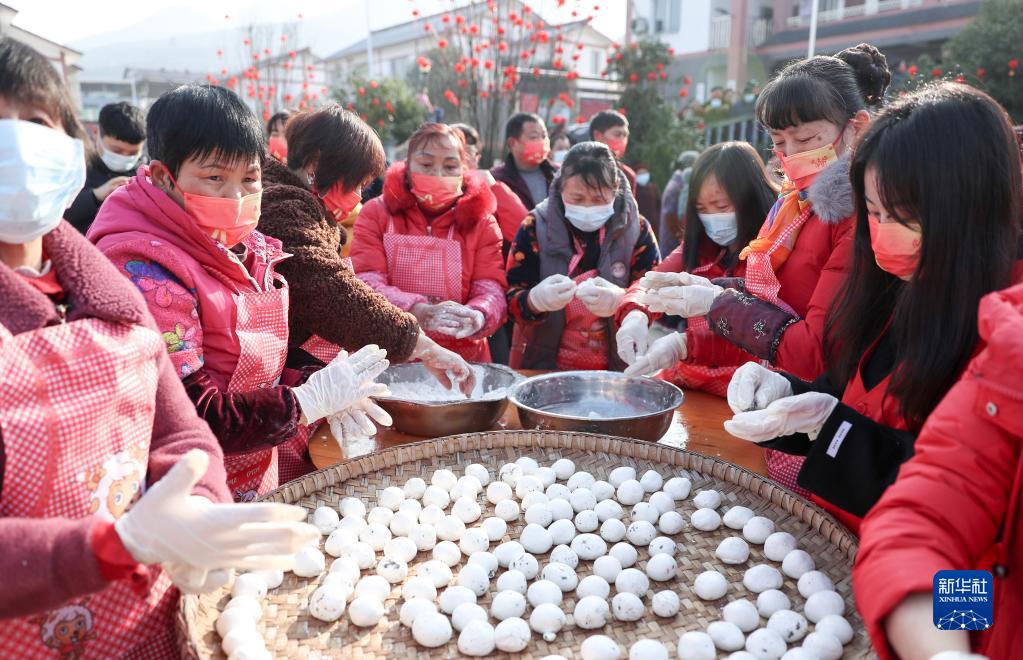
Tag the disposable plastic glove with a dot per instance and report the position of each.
(448, 318)
(663, 353)
(654, 280)
(693, 296)
(358, 421)
(192, 580)
(632, 336)
(600, 296)
(802, 413)
(341, 384)
(552, 294)
(754, 387)
(448, 367)
(169, 525)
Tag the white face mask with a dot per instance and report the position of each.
(41, 171)
(643, 178)
(720, 227)
(559, 155)
(589, 218)
(118, 162)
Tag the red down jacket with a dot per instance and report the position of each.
(956, 503)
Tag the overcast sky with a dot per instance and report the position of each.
(69, 21)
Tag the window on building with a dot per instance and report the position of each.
(667, 16)
(595, 62)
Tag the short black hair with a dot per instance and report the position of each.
(123, 121)
(605, 120)
(198, 121)
(595, 163)
(471, 135)
(26, 75)
(343, 146)
(284, 116)
(517, 123)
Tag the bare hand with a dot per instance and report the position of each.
(102, 192)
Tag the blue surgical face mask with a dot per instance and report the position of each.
(720, 227)
(643, 178)
(41, 171)
(589, 218)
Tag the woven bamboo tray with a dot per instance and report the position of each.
(291, 633)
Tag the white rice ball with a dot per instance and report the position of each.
(743, 614)
(588, 546)
(661, 568)
(563, 554)
(444, 478)
(391, 497)
(633, 581)
(836, 626)
(365, 611)
(431, 629)
(607, 568)
(671, 522)
(582, 499)
(696, 646)
(525, 564)
(822, 604)
(467, 510)
(645, 511)
(481, 473)
(447, 552)
(620, 475)
(625, 553)
(587, 521)
(498, 491)
(779, 544)
(431, 514)
(413, 607)
(477, 639)
(726, 636)
(561, 509)
(512, 635)
(598, 647)
(665, 603)
(563, 468)
(507, 604)
(528, 484)
(757, 529)
(591, 613)
(823, 646)
(593, 585)
(511, 581)
(627, 606)
(507, 510)
(325, 519)
(648, 649)
(510, 473)
(765, 644)
(352, 524)
(536, 539)
(707, 499)
(733, 550)
(534, 498)
(401, 548)
(454, 596)
(797, 563)
(705, 520)
(790, 626)
(361, 553)
(437, 496)
(813, 581)
(678, 488)
(608, 509)
(309, 563)
(486, 560)
(380, 515)
(375, 535)
(613, 530)
(327, 604)
(508, 551)
(562, 531)
(273, 578)
(466, 613)
(662, 502)
(411, 507)
(474, 540)
(414, 488)
(547, 620)
(761, 577)
(580, 480)
(373, 586)
(424, 536)
(419, 587)
(651, 481)
(602, 490)
(474, 577)
(402, 523)
(561, 575)
(249, 585)
(544, 591)
(392, 570)
(771, 601)
(641, 533)
(737, 517)
(710, 585)
(662, 545)
(630, 492)
(436, 572)
(494, 528)
(247, 604)
(352, 506)
(450, 528)
(558, 492)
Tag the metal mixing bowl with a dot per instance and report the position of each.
(604, 402)
(440, 418)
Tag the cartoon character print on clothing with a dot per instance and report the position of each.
(181, 339)
(116, 483)
(67, 630)
(152, 278)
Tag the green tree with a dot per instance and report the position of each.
(657, 134)
(387, 105)
(989, 51)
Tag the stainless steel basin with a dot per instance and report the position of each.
(433, 419)
(604, 402)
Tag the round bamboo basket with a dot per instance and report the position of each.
(290, 632)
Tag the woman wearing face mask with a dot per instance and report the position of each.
(571, 262)
(276, 143)
(430, 244)
(183, 232)
(814, 110)
(729, 195)
(306, 205)
(904, 326)
(103, 463)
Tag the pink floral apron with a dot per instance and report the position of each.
(77, 419)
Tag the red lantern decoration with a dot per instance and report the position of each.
(488, 64)
(981, 72)
(684, 92)
(936, 72)
(292, 54)
(960, 78)
(427, 27)
(446, 18)
(536, 71)
(374, 84)
(912, 70)
(687, 80)
(633, 77)
(651, 75)
(459, 67)
(442, 43)
(664, 76)
(389, 107)
(459, 20)
(362, 91)
(571, 75)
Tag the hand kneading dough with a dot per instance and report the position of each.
(696, 646)
(710, 585)
(762, 577)
(733, 550)
(726, 636)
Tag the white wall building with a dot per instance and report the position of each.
(64, 59)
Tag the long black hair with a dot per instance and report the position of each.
(946, 158)
(739, 171)
(833, 88)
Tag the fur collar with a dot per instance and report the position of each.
(831, 192)
(475, 203)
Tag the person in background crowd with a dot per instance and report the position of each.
(559, 148)
(612, 128)
(526, 170)
(729, 196)
(184, 232)
(955, 506)
(432, 246)
(648, 198)
(571, 263)
(673, 202)
(277, 143)
(122, 136)
(333, 153)
(889, 359)
(814, 110)
(510, 213)
(112, 488)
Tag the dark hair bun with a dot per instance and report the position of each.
(871, 69)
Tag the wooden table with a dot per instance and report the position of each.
(696, 427)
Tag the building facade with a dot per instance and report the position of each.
(64, 59)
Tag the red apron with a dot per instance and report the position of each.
(77, 420)
(432, 267)
(878, 406)
(261, 325)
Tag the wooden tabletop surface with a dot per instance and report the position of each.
(697, 426)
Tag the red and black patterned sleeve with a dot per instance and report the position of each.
(646, 255)
(523, 271)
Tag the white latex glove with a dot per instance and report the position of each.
(802, 413)
(358, 421)
(448, 367)
(654, 280)
(341, 384)
(600, 296)
(754, 387)
(551, 294)
(169, 525)
(693, 296)
(192, 580)
(632, 336)
(448, 318)
(663, 353)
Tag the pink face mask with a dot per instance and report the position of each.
(341, 203)
(802, 168)
(436, 192)
(896, 247)
(278, 148)
(536, 151)
(227, 220)
(617, 146)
